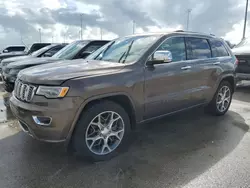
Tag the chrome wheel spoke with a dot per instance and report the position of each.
(227, 90)
(105, 146)
(116, 134)
(223, 106)
(112, 120)
(93, 139)
(99, 122)
(219, 102)
(227, 99)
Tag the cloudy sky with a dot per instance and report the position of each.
(60, 20)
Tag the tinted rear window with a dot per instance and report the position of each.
(218, 49)
(15, 48)
(38, 46)
(197, 48)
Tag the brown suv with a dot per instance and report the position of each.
(93, 104)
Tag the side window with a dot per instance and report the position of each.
(17, 49)
(176, 46)
(92, 48)
(197, 48)
(218, 49)
(54, 50)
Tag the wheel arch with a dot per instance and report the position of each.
(230, 79)
(120, 98)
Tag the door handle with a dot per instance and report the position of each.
(216, 63)
(186, 68)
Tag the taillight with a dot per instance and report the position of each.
(237, 62)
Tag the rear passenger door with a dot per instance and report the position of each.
(200, 60)
(220, 58)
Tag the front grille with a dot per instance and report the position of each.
(24, 92)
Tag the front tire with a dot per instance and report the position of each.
(102, 131)
(221, 100)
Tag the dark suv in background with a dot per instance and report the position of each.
(7, 77)
(242, 53)
(75, 50)
(34, 47)
(93, 104)
(13, 48)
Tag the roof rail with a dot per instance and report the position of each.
(194, 32)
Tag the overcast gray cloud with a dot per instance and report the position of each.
(115, 16)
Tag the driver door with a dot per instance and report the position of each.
(167, 85)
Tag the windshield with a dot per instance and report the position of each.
(42, 50)
(124, 50)
(69, 51)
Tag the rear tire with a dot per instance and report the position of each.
(96, 137)
(221, 100)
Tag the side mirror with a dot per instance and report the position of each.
(47, 54)
(5, 51)
(161, 56)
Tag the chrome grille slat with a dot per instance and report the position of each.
(24, 92)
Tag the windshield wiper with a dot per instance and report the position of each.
(126, 52)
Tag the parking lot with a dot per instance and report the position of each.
(191, 149)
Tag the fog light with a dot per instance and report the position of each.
(42, 120)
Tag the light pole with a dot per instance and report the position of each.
(133, 27)
(188, 15)
(81, 26)
(245, 21)
(40, 35)
(101, 32)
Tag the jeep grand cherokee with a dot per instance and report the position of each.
(93, 104)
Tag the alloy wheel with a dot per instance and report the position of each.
(223, 98)
(104, 133)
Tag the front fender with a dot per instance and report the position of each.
(93, 98)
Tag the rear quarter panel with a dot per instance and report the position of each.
(225, 70)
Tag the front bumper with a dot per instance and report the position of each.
(61, 111)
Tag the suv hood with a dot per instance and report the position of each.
(244, 50)
(31, 62)
(12, 54)
(6, 61)
(67, 69)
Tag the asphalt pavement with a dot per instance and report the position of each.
(191, 149)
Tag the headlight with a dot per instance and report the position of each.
(14, 71)
(52, 92)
